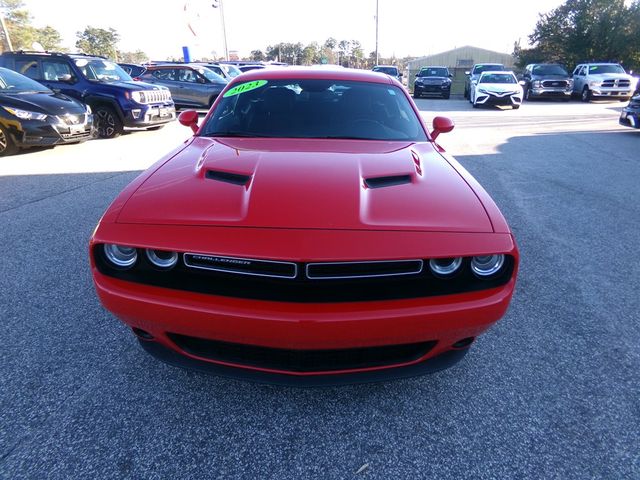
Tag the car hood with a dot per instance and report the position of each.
(308, 184)
(133, 86)
(608, 76)
(550, 77)
(499, 87)
(43, 102)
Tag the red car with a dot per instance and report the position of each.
(310, 232)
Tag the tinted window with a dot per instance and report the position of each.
(28, 67)
(433, 72)
(606, 69)
(298, 108)
(549, 70)
(101, 70)
(55, 70)
(163, 74)
(12, 82)
(211, 76)
(488, 67)
(393, 71)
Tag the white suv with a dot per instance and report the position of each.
(602, 80)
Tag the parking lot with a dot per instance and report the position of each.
(550, 392)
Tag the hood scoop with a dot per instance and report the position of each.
(388, 181)
(228, 177)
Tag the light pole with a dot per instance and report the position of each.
(218, 4)
(377, 32)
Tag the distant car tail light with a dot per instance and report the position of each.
(487, 265)
(162, 258)
(445, 267)
(120, 255)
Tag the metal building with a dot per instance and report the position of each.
(459, 60)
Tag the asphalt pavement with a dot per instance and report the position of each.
(552, 391)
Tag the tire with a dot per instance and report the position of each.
(586, 94)
(108, 124)
(446, 96)
(466, 93)
(7, 145)
(515, 107)
(416, 95)
(527, 95)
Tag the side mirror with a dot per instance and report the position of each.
(522, 82)
(441, 125)
(400, 74)
(189, 118)
(67, 78)
(451, 75)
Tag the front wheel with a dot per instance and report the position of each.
(515, 107)
(416, 94)
(7, 145)
(108, 123)
(446, 96)
(586, 94)
(527, 94)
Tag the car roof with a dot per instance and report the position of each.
(434, 66)
(325, 73)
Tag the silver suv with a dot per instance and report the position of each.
(592, 80)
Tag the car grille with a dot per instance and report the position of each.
(156, 96)
(77, 135)
(302, 360)
(313, 282)
(555, 83)
(619, 82)
(73, 119)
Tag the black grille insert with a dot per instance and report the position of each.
(302, 360)
(242, 266)
(335, 270)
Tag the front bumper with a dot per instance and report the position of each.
(142, 116)
(630, 117)
(52, 131)
(426, 89)
(550, 92)
(611, 92)
(497, 99)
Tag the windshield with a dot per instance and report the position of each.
(211, 76)
(488, 67)
(12, 82)
(315, 108)
(549, 70)
(231, 70)
(497, 78)
(606, 69)
(433, 72)
(102, 70)
(393, 71)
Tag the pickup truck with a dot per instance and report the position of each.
(605, 80)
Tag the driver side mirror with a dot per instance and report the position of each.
(189, 118)
(441, 125)
(66, 78)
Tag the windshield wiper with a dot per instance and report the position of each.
(230, 133)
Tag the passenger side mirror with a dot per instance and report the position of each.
(189, 118)
(67, 78)
(450, 75)
(441, 125)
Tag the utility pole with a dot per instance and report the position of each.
(377, 32)
(5, 32)
(224, 31)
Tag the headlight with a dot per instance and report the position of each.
(25, 114)
(536, 84)
(445, 266)
(482, 90)
(139, 97)
(446, 82)
(120, 255)
(570, 83)
(162, 258)
(594, 84)
(88, 109)
(487, 265)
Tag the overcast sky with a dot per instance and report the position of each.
(407, 27)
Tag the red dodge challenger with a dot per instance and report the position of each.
(310, 232)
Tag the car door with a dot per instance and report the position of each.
(579, 78)
(194, 87)
(58, 76)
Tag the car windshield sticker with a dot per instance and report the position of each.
(245, 87)
(391, 92)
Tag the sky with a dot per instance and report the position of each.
(406, 27)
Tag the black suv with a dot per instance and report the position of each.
(432, 81)
(116, 100)
(547, 80)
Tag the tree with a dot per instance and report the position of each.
(98, 41)
(49, 38)
(257, 55)
(310, 54)
(18, 20)
(585, 30)
(133, 57)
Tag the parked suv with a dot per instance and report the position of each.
(190, 85)
(602, 80)
(391, 70)
(474, 74)
(432, 81)
(115, 99)
(548, 80)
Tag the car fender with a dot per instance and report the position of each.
(104, 100)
